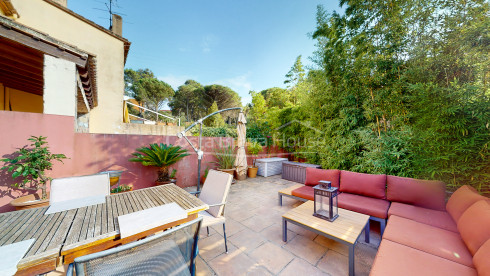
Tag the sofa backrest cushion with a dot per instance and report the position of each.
(422, 193)
(371, 185)
(461, 199)
(314, 175)
(474, 225)
(481, 260)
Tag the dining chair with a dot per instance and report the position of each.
(214, 193)
(79, 191)
(77, 187)
(172, 252)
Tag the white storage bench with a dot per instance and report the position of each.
(269, 166)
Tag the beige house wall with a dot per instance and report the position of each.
(109, 52)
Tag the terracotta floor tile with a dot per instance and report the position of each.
(300, 267)
(306, 249)
(271, 256)
(334, 264)
(232, 227)
(274, 234)
(333, 245)
(247, 240)
(257, 223)
(233, 263)
(213, 246)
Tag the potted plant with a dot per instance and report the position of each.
(253, 149)
(205, 175)
(225, 159)
(161, 156)
(29, 164)
(122, 189)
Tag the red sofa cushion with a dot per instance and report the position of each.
(461, 200)
(481, 260)
(435, 218)
(401, 260)
(474, 225)
(314, 175)
(423, 193)
(305, 192)
(366, 205)
(372, 185)
(430, 239)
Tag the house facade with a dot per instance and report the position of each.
(54, 61)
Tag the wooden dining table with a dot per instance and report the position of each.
(63, 236)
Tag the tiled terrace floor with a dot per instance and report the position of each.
(253, 227)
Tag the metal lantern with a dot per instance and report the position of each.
(326, 201)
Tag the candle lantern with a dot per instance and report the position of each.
(326, 201)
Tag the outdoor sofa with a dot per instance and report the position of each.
(424, 235)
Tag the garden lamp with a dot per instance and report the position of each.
(326, 201)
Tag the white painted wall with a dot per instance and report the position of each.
(60, 86)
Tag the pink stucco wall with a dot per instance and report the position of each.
(92, 153)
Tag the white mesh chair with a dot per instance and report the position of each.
(214, 193)
(171, 252)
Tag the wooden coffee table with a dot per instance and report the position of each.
(345, 229)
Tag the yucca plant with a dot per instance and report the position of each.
(226, 157)
(161, 156)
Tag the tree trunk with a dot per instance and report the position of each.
(163, 174)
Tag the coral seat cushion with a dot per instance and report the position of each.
(423, 193)
(401, 260)
(481, 260)
(432, 217)
(305, 192)
(430, 239)
(366, 205)
(313, 176)
(461, 199)
(372, 185)
(474, 225)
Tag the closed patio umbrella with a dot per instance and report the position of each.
(241, 156)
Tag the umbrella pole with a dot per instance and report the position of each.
(199, 159)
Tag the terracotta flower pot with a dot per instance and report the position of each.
(252, 172)
(230, 171)
(30, 201)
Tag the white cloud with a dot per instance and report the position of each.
(239, 84)
(175, 81)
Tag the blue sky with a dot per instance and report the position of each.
(243, 44)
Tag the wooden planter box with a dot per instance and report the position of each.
(269, 166)
(295, 171)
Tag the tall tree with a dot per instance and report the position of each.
(154, 92)
(131, 77)
(276, 97)
(189, 100)
(216, 120)
(224, 97)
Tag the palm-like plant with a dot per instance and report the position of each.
(160, 156)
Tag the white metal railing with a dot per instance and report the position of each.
(146, 109)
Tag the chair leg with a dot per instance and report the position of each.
(224, 234)
(207, 229)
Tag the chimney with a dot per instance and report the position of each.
(116, 24)
(61, 2)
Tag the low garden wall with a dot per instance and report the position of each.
(92, 153)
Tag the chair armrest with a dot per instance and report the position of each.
(214, 205)
(69, 270)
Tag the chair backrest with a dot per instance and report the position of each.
(215, 190)
(77, 187)
(171, 252)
